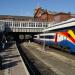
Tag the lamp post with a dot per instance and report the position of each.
(4, 41)
(44, 41)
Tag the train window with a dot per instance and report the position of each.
(48, 37)
(41, 36)
(51, 37)
(35, 36)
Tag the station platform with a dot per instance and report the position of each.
(12, 62)
(60, 64)
(1, 72)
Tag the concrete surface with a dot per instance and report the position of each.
(60, 64)
(12, 61)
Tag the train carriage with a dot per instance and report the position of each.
(63, 38)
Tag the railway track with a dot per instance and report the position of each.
(63, 64)
(34, 65)
(31, 68)
(35, 59)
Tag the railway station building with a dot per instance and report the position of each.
(31, 25)
(52, 16)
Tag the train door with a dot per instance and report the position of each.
(60, 39)
(56, 38)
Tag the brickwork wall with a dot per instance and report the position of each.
(58, 17)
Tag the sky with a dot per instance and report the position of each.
(26, 7)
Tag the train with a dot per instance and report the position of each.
(61, 38)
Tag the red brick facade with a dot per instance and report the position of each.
(43, 14)
(62, 16)
(51, 16)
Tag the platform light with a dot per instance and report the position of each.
(44, 41)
